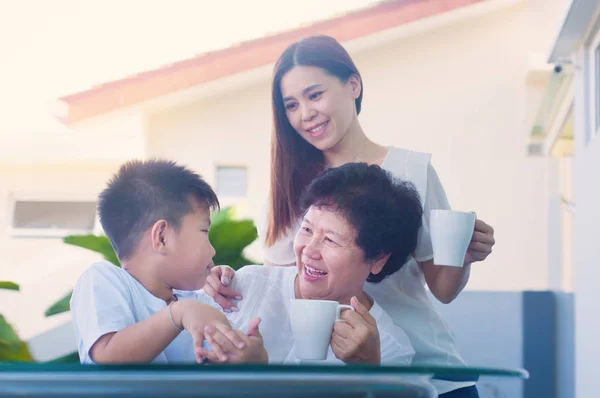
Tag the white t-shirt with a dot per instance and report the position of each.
(403, 295)
(267, 292)
(107, 299)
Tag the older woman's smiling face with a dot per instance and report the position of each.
(331, 266)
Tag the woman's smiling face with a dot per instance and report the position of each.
(319, 106)
(331, 266)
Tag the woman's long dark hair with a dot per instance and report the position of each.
(295, 162)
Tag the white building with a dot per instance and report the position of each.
(570, 129)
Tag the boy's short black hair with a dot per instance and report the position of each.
(386, 212)
(143, 192)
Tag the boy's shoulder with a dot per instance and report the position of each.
(103, 277)
(103, 270)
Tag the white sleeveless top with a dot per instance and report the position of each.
(403, 295)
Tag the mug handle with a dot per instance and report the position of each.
(339, 311)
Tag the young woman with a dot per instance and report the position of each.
(317, 94)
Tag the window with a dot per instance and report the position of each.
(232, 181)
(52, 218)
(596, 88)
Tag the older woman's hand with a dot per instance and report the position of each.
(481, 242)
(217, 287)
(356, 338)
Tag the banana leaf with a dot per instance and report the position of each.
(9, 285)
(230, 238)
(11, 346)
(98, 244)
(60, 306)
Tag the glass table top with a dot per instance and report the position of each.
(54, 380)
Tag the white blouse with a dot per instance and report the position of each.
(267, 293)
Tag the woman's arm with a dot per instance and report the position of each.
(446, 283)
(217, 285)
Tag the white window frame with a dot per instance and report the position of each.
(240, 203)
(47, 232)
(232, 165)
(594, 93)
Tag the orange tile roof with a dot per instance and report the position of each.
(214, 65)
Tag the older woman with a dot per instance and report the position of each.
(360, 224)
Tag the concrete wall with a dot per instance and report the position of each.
(586, 248)
(531, 330)
(488, 328)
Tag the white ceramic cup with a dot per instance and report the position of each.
(312, 324)
(451, 233)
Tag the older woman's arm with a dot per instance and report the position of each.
(217, 287)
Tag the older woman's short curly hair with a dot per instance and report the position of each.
(386, 212)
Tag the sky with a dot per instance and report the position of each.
(50, 48)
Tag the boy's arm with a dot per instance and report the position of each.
(107, 329)
(145, 340)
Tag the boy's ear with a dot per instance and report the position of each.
(158, 235)
(379, 263)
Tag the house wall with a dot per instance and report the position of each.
(46, 268)
(586, 247)
(223, 131)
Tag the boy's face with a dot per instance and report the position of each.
(190, 253)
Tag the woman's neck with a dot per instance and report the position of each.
(355, 147)
(362, 297)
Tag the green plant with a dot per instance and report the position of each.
(230, 237)
(12, 348)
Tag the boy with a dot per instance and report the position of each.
(157, 216)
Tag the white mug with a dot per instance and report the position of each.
(312, 324)
(451, 233)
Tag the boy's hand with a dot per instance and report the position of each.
(234, 345)
(195, 316)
